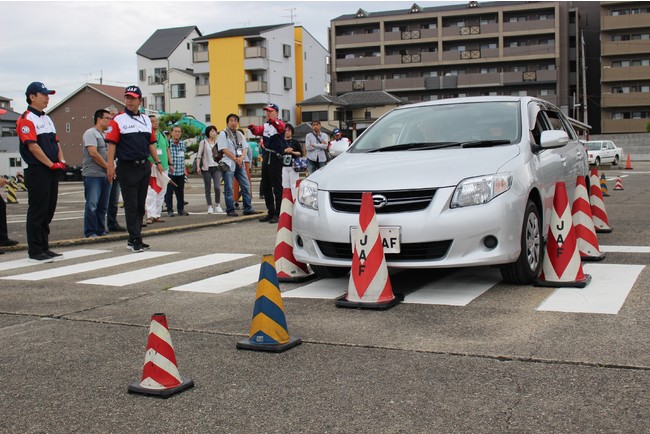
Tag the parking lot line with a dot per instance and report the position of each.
(625, 249)
(72, 254)
(327, 289)
(86, 266)
(223, 282)
(155, 272)
(609, 287)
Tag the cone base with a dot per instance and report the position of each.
(342, 302)
(591, 258)
(605, 194)
(572, 284)
(628, 168)
(296, 279)
(161, 393)
(604, 231)
(246, 344)
(619, 189)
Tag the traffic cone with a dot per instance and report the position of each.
(562, 266)
(11, 193)
(160, 375)
(21, 183)
(598, 212)
(628, 164)
(619, 184)
(289, 269)
(603, 186)
(584, 225)
(369, 286)
(269, 326)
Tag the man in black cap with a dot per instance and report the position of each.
(131, 139)
(39, 148)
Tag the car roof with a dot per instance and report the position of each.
(478, 99)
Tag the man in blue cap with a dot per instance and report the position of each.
(339, 145)
(39, 148)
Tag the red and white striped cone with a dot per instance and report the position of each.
(288, 268)
(598, 212)
(562, 266)
(584, 224)
(619, 184)
(160, 375)
(369, 286)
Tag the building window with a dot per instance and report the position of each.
(286, 50)
(207, 117)
(15, 162)
(143, 74)
(178, 90)
(368, 115)
(159, 75)
(287, 83)
(314, 116)
(286, 115)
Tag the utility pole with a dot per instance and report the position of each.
(584, 79)
(291, 12)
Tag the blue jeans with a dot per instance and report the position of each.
(97, 192)
(313, 166)
(244, 186)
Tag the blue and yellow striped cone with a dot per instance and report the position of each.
(603, 185)
(269, 326)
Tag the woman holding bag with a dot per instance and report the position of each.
(289, 175)
(209, 169)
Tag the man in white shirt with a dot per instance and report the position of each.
(316, 143)
(339, 145)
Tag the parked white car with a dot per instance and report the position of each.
(455, 183)
(603, 151)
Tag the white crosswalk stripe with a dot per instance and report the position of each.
(224, 282)
(458, 289)
(144, 274)
(73, 254)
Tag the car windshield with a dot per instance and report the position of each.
(593, 146)
(478, 124)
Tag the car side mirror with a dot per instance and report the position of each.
(554, 139)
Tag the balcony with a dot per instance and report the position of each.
(609, 126)
(621, 48)
(624, 22)
(475, 80)
(254, 52)
(625, 74)
(202, 89)
(256, 86)
(470, 30)
(358, 61)
(530, 50)
(416, 83)
(528, 26)
(200, 56)
(635, 99)
(360, 38)
(357, 85)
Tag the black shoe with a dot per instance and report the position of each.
(232, 214)
(170, 213)
(2, 252)
(186, 202)
(252, 212)
(8, 243)
(117, 228)
(183, 213)
(41, 258)
(131, 244)
(266, 218)
(274, 219)
(53, 255)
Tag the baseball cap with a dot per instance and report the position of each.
(38, 87)
(133, 91)
(336, 131)
(270, 106)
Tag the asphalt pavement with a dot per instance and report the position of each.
(71, 344)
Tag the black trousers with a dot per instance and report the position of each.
(113, 201)
(134, 181)
(4, 236)
(179, 189)
(272, 183)
(42, 191)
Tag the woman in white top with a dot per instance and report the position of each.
(209, 169)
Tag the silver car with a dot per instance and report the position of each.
(455, 183)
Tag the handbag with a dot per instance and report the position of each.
(223, 166)
(300, 164)
(217, 155)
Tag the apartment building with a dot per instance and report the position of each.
(246, 68)
(625, 63)
(492, 48)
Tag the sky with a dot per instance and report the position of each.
(65, 44)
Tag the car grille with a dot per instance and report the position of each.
(408, 252)
(396, 201)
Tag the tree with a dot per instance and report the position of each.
(167, 120)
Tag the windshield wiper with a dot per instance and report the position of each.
(483, 143)
(416, 146)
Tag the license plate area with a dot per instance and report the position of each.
(390, 236)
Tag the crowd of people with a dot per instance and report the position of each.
(127, 154)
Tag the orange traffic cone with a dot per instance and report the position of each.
(289, 269)
(160, 375)
(369, 286)
(584, 224)
(619, 184)
(603, 186)
(598, 212)
(269, 326)
(628, 164)
(562, 266)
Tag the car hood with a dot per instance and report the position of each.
(411, 169)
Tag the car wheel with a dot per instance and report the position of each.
(615, 162)
(329, 272)
(529, 263)
(597, 161)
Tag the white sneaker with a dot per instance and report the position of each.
(219, 210)
(210, 210)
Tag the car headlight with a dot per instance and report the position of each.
(308, 194)
(479, 190)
